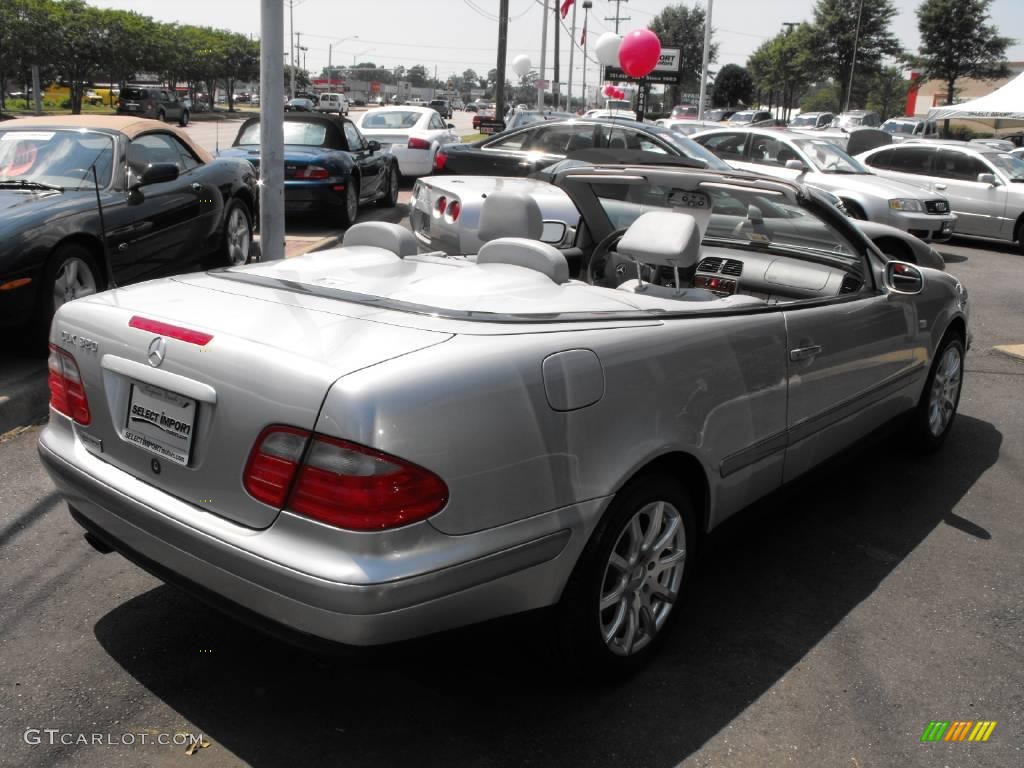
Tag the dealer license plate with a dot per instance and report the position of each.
(161, 422)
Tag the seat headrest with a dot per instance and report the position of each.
(381, 234)
(662, 238)
(510, 214)
(531, 254)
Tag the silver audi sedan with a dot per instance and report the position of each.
(817, 161)
(369, 444)
(985, 186)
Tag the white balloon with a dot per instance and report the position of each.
(521, 65)
(607, 49)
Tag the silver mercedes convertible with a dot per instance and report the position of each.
(369, 444)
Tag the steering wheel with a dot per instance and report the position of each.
(608, 269)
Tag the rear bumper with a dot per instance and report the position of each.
(287, 590)
(305, 197)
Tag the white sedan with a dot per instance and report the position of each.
(414, 135)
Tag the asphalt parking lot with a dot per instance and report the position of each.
(826, 626)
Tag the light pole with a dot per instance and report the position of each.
(853, 60)
(704, 60)
(572, 50)
(330, 49)
(361, 53)
(587, 5)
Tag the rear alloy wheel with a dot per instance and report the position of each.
(623, 593)
(390, 199)
(936, 410)
(71, 273)
(161, 116)
(237, 234)
(350, 208)
(184, 118)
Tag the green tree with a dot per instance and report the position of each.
(833, 35)
(824, 98)
(782, 67)
(417, 76)
(957, 42)
(26, 39)
(82, 45)
(733, 86)
(681, 27)
(888, 92)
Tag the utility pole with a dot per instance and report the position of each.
(271, 171)
(291, 48)
(295, 61)
(618, 14)
(554, 73)
(543, 52)
(572, 50)
(853, 60)
(587, 5)
(704, 61)
(499, 87)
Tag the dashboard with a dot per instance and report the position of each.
(770, 276)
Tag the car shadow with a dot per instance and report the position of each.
(772, 583)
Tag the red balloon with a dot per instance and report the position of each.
(639, 52)
(609, 91)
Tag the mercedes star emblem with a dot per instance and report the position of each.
(155, 355)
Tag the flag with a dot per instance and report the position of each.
(583, 37)
(566, 5)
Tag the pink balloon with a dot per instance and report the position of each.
(639, 52)
(609, 91)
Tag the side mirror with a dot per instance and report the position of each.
(156, 173)
(987, 178)
(373, 146)
(553, 232)
(901, 277)
(796, 165)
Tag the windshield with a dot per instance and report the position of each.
(1012, 166)
(802, 120)
(742, 117)
(396, 119)
(57, 157)
(892, 127)
(302, 134)
(828, 158)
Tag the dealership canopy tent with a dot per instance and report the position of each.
(1006, 103)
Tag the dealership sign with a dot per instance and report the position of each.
(666, 71)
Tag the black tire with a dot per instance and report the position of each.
(47, 303)
(929, 428)
(1019, 235)
(184, 118)
(580, 645)
(349, 212)
(390, 198)
(161, 116)
(236, 243)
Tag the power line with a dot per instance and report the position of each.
(618, 14)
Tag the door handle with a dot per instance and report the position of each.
(123, 247)
(940, 186)
(804, 353)
(197, 187)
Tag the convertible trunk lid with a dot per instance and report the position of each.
(181, 379)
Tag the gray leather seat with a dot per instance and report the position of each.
(510, 214)
(531, 254)
(664, 239)
(380, 234)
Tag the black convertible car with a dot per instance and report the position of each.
(167, 207)
(529, 149)
(328, 165)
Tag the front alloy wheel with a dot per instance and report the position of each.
(74, 279)
(237, 235)
(945, 390)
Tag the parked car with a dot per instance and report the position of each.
(1002, 145)
(412, 134)
(748, 116)
(684, 112)
(985, 187)
(317, 440)
(332, 102)
(525, 117)
(459, 232)
(483, 112)
(903, 128)
(168, 207)
(157, 103)
(718, 115)
(811, 121)
(299, 105)
(857, 118)
(329, 165)
(443, 107)
(817, 161)
(687, 126)
(523, 151)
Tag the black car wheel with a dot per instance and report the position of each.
(71, 273)
(184, 118)
(237, 234)
(390, 198)
(350, 209)
(161, 116)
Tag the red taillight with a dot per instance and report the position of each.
(440, 160)
(415, 143)
(67, 393)
(312, 172)
(350, 486)
(170, 331)
(442, 204)
(272, 463)
(454, 209)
